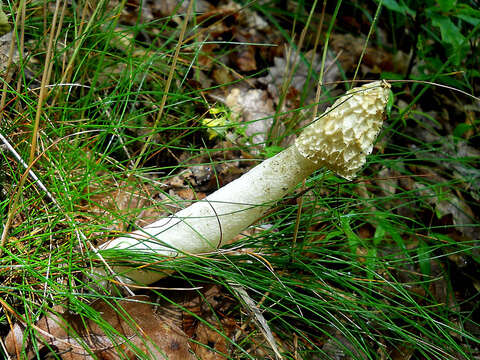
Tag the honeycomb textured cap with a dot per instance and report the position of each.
(343, 136)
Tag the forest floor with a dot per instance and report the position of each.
(114, 114)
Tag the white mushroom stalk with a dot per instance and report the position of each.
(339, 140)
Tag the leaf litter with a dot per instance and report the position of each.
(133, 328)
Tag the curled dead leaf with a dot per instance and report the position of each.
(122, 330)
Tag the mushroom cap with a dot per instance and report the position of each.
(342, 137)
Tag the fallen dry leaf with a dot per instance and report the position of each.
(208, 342)
(245, 58)
(133, 328)
(349, 49)
(302, 78)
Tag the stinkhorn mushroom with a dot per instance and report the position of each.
(339, 140)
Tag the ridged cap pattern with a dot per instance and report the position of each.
(343, 136)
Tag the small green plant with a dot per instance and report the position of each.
(221, 122)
